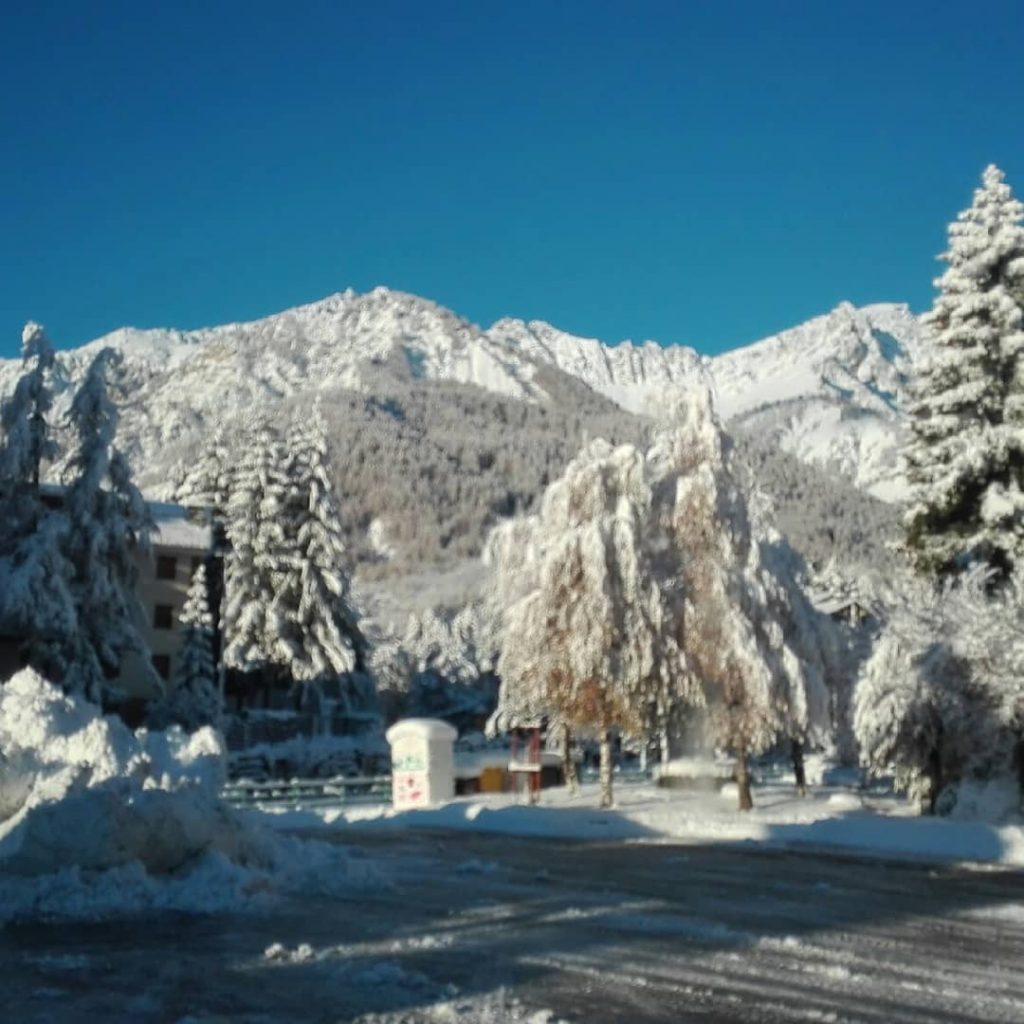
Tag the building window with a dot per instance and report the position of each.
(166, 567)
(162, 664)
(163, 617)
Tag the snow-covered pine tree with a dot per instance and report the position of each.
(964, 454)
(743, 629)
(195, 699)
(27, 440)
(208, 480)
(257, 550)
(35, 600)
(592, 628)
(316, 627)
(109, 527)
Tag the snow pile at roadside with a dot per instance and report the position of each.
(96, 820)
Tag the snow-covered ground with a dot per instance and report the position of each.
(128, 891)
(503, 929)
(837, 817)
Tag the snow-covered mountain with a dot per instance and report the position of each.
(826, 391)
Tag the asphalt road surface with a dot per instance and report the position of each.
(593, 932)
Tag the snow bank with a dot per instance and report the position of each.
(830, 818)
(80, 789)
(97, 820)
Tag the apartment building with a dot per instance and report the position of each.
(183, 537)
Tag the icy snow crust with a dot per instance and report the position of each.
(96, 820)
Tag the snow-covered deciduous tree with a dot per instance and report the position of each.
(109, 527)
(590, 629)
(965, 451)
(35, 600)
(985, 628)
(745, 629)
(315, 623)
(194, 700)
(926, 705)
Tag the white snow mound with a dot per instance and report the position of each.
(80, 789)
(97, 821)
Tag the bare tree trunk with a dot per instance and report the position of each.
(743, 777)
(643, 755)
(569, 763)
(606, 768)
(1019, 753)
(797, 753)
(934, 778)
(663, 741)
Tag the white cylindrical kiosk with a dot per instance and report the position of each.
(422, 762)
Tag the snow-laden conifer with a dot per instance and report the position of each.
(964, 455)
(313, 618)
(109, 528)
(194, 700)
(208, 480)
(35, 600)
(257, 549)
(27, 438)
(746, 631)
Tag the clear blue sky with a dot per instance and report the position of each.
(691, 172)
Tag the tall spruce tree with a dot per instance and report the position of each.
(35, 601)
(317, 634)
(257, 551)
(109, 527)
(965, 450)
(195, 699)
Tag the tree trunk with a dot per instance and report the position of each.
(569, 763)
(797, 752)
(1020, 767)
(663, 741)
(934, 777)
(743, 777)
(606, 768)
(643, 756)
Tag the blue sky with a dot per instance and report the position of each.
(704, 173)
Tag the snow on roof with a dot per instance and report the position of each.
(179, 527)
(424, 728)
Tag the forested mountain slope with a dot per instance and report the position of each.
(441, 428)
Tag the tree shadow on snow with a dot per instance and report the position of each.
(596, 930)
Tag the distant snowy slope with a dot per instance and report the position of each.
(475, 421)
(633, 376)
(828, 391)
